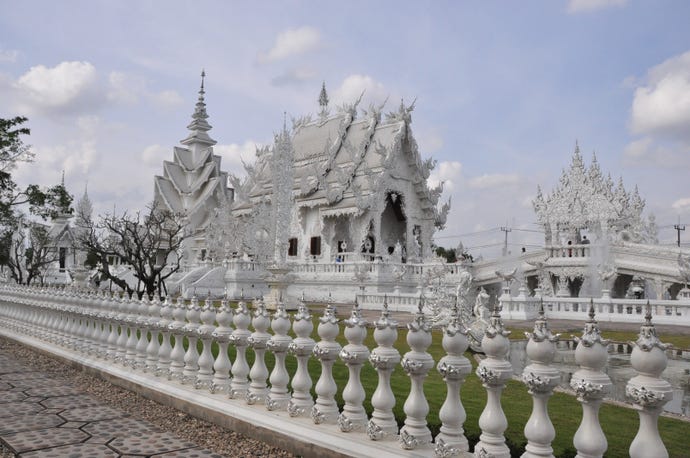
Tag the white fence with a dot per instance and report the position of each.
(119, 334)
(676, 312)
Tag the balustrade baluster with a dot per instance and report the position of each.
(648, 390)
(204, 378)
(416, 364)
(105, 315)
(190, 330)
(259, 372)
(141, 331)
(541, 378)
(121, 336)
(384, 358)
(222, 334)
(177, 329)
(591, 384)
(165, 349)
(278, 396)
(239, 338)
(131, 344)
(354, 417)
(494, 371)
(153, 324)
(325, 409)
(301, 347)
(454, 368)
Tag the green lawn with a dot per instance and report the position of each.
(619, 423)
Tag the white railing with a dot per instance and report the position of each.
(124, 331)
(620, 310)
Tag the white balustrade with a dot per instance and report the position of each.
(541, 378)
(325, 409)
(258, 388)
(354, 355)
(591, 385)
(204, 378)
(648, 390)
(384, 358)
(454, 368)
(176, 366)
(278, 396)
(95, 325)
(240, 339)
(165, 349)
(494, 371)
(301, 347)
(190, 331)
(222, 334)
(153, 348)
(417, 363)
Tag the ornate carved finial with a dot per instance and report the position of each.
(203, 75)
(648, 315)
(242, 294)
(323, 96)
(323, 101)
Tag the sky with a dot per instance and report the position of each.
(503, 91)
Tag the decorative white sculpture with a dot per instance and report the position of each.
(354, 354)
(384, 358)
(454, 368)
(301, 347)
(591, 385)
(541, 378)
(648, 390)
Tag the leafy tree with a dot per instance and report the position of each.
(149, 242)
(447, 253)
(25, 246)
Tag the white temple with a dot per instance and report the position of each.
(597, 242)
(193, 183)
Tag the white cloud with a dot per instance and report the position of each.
(354, 85)
(638, 148)
(293, 76)
(681, 204)
(450, 172)
(128, 89)
(293, 42)
(8, 55)
(586, 6)
(124, 88)
(167, 99)
(663, 105)
(154, 155)
(494, 180)
(67, 87)
(234, 154)
(430, 141)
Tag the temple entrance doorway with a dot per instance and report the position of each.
(393, 224)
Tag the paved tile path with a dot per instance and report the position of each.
(42, 414)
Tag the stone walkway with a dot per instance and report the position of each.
(43, 414)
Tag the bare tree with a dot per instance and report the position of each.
(150, 243)
(27, 251)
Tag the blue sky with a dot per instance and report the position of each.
(503, 89)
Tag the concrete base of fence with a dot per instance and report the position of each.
(297, 435)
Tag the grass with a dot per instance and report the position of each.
(619, 423)
(679, 341)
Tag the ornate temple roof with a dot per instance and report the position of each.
(584, 198)
(192, 183)
(343, 162)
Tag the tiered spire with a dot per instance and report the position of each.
(199, 127)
